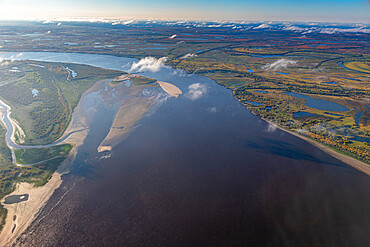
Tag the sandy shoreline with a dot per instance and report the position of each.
(25, 212)
(359, 165)
(21, 215)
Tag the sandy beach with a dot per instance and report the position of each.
(21, 215)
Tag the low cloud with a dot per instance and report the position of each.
(302, 131)
(47, 21)
(189, 55)
(271, 128)
(10, 60)
(59, 24)
(279, 64)
(212, 109)
(179, 73)
(295, 28)
(264, 25)
(344, 30)
(148, 64)
(196, 91)
(3, 62)
(173, 36)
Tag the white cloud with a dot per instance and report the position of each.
(212, 109)
(279, 64)
(295, 28)
(189, 55)
(59, 24)
(302, 131)
(196, 91)
(3, 62)
(264, 25)
(179, 73)
(47, 21)
(16, 57)
(344, 30)
(173, 36)
(148, 64)
(271, 128)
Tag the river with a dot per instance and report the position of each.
(200, 170)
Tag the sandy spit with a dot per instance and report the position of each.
(132, 108)
(169, 88)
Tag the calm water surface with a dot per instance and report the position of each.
(319, 103)
(201, 172)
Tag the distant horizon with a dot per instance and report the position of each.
(112, 19)
(327, 11)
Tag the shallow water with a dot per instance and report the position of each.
(202, 172)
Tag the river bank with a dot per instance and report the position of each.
(355, 163)
(21, 215)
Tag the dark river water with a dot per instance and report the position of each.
(201, 170)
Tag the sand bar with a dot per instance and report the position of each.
(169, 88)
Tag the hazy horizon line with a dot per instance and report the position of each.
(110, 19)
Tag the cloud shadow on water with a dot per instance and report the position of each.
(294, 152)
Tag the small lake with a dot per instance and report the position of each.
(319, 103)
(16, 199)
(253, 103)
(348, 78)
(282, 73)
(303, 114)
(328, 82)
(261, 91)
(264, 56)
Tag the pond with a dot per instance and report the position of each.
(254, 103)
(303, 114)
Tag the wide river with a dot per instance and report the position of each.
(200, 170)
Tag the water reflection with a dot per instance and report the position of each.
(203, 172)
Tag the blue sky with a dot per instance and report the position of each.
(269, 10)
